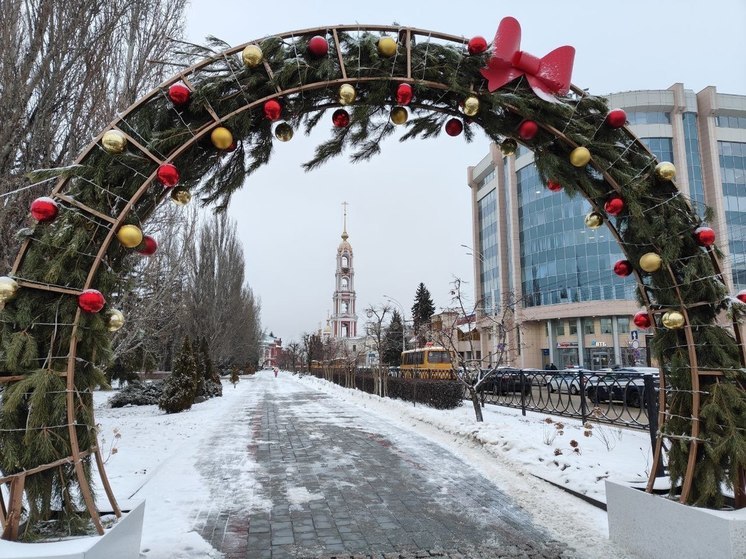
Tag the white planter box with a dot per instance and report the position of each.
(654, 527)
(121, 541)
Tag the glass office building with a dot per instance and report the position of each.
(534, 248)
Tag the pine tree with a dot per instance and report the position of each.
(180, 387)
(208, 385)
(394, 341)
(422, 310)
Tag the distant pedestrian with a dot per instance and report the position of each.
(552, 367)
(276, 370)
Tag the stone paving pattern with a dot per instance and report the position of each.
(343, 490)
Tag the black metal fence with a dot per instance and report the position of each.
(622, 397)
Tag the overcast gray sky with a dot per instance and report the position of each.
(409, 209)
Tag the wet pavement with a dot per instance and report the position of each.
(312, 476)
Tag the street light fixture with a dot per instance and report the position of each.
(403, 321)
(493, 303)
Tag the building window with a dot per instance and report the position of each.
(560, 327)
(345, 283)
(648, 117)
(589, 326)
(345, 262)
(726, 121)
(573, 327)
(606, 325)
(623, 323)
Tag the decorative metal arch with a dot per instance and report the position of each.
(105, 191)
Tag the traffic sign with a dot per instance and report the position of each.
(633, 335)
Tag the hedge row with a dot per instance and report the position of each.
(439, 394)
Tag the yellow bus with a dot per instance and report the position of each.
(430, 362)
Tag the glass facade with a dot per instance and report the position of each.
(694, 163)
(509, 222)
(489, 269)
(733, 173)
(662, 148)
(563, 261)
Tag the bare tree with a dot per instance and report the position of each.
(218, 304)
(291, 356)
(377, 332)
(151, 296)
(468, 368)
(65, 69)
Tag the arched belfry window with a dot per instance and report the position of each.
(345, 283)
(345, 262)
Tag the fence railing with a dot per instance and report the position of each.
(620, 397)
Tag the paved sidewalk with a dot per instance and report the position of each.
(336, 483)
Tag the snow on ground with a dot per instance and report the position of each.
(157, 458)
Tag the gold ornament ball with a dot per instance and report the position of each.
(114, 141)
(508, 146)
(594, 220)
(115, 320)
(8, 288)
(673, 320)
(284, 132)
(347, 94)
(580, 157)
(471, 106)
(386, 47)
(252, 56)
(399, 115)
(221, 137)
(650, 262)
(665, 170)
(180, 196)
(129, 235)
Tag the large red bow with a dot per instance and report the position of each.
(547, 76)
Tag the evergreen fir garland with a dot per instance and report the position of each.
(37, 326)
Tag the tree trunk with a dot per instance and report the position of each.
(475, 402)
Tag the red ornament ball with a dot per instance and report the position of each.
(91, 300)
(616, 118)
(403, 94)
(148, 246)
(179, 94)
(642, 319)
(614, 205)
(554, 186)
(623, 268)
(44, 209)
(318, 46)
(741, 296)
(527, 130)
(477, 45)
(168, 175)
(340, 118)
(272, 110)
(454, 127)
(704, 236)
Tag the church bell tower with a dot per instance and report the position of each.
(344, 319)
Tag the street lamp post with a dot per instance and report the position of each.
(403, 321)
(493, 305)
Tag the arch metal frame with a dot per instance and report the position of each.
(11, 512)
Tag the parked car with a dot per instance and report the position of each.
(505, 381)
(626, 387)
(567, 382)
